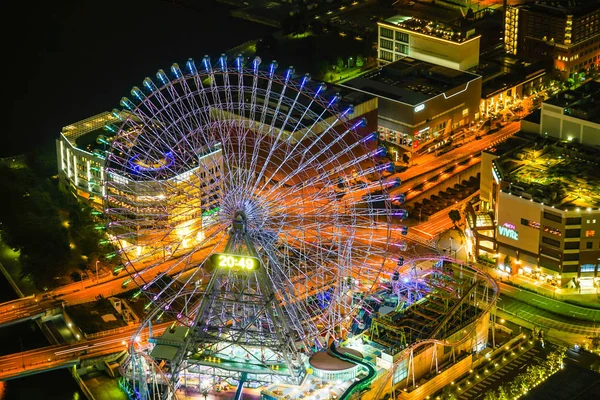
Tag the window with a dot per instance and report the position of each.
(402, 37)
(386, 33)
(571, 245)
(590, 233)
(588, 245)
(551, 242)
(552, 231)
(574, 221)
(572, 233)
(588, 268)
(531, 224)
(386, 55)
(400, 374)
(552, 217)
(402, 48)
(571, 257)
(386, 44)
(465, 112)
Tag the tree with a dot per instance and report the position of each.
(360, 62)
(454, 216)
(507, 261)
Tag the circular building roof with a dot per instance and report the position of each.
(326, 362)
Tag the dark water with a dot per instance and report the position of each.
(71, 59)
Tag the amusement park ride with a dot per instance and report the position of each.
(252, 210)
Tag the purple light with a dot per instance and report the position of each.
(370, 136)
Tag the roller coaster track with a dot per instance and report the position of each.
(360, 384)
(405, 353)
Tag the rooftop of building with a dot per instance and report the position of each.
(323, 360)
(583, 102)
(90, 134)
(501, 78)
(435, 29)
(544, 170)
(562, 8)
(410, 81)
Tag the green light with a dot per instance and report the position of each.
(235, 261)
(99, 227)
(136, 294)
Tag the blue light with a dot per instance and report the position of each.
(149, 84)
(370, 136)
(321, 88)
(137, 93)
(239, 61)
(223, 61)
(361, 123)
(206, 63)
(272, 68)
(304, 80)
(288, 73)
(334, 99)
(191, 66)
(349, 110)
(136, 168)
(176, 71)
(256, 64)
(117, 114)
(125, 102)
(162, 76)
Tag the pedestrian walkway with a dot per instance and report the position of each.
(502, 375)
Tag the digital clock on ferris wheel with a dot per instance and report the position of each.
(234, 261)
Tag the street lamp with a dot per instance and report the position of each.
(97, 270)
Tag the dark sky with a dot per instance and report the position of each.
(69, 59)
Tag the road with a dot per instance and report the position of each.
(427, 162)
(45, 358)
(551, 305)
(29, 308)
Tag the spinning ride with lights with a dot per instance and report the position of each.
(250, 208)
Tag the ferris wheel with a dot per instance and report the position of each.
(249, 205)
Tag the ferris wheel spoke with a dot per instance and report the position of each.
(238, 159)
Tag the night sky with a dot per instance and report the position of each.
(70, 59)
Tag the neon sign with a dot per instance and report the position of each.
(420, 107)
(508, 230)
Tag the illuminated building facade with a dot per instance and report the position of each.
(419, 101)
(80, 151)
(567, 32)
(543, 211)
(429, 41)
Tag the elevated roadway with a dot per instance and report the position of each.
(28, 309)
(48, 358)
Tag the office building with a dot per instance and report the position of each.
(540, 210)
(566, 32)
(419, 101)
(433, 42)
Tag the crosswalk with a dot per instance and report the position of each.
(493, 381)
